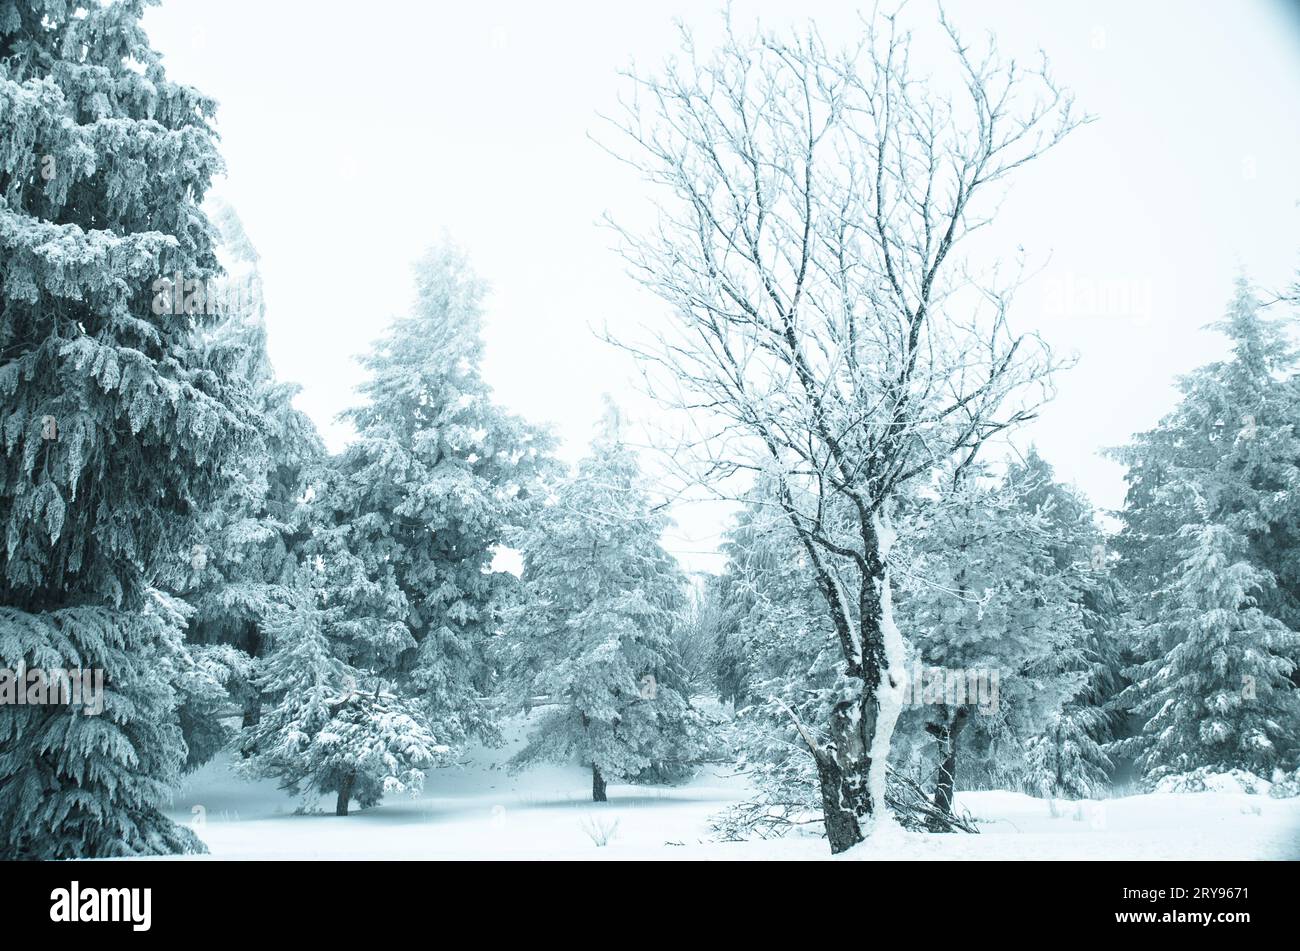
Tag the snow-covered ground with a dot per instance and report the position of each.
(481, 811)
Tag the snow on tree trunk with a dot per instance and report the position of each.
(890, 692)
(852, 769)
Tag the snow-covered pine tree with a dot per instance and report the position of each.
(1065, 761)
(780, 656)
(1213, 488)
(406, 522)
(762, 575)
(1217, 693)
(245, 554)
(1068, 759)
(985, 598)
(729, 655)
(114, 432)
(327, 728)
(591, 636)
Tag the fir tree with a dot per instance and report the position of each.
(115, 432)
(989, 600)
(406, 522)
(247, 550)
(326, 729)
(1065, 761)
(1068, 759)
(593, 631)
(781, 655)
(1213, 488)
(1217, 694)
(762, 576)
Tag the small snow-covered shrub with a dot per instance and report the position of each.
(1285, 785)
(1206, 779)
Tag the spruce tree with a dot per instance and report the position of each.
(407, 520)
(1068, 759)
(988, 600)
(114, 431)
(1217, 693)
(1065, 761)
(592, 633)
(762, 575)
(1211, 489)
(780, 660)
(327, 728)
(249, 548)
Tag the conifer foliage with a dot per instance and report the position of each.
(991, 601)
(1209, 538)
(406, 521)
(327, 729)
(593, 632)
(114, 430)
(246, 559)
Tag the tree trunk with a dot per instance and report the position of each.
(345, 794)
(946, 784)
(843, 770)
(845, 767)
(597, 785)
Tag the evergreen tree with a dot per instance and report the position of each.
(1068, 760)
(248, 550)
(992, 611)
(406, 522)
(1065, 761)
(730, 655)
(592, 634)
(781, 653)
(1213, 488)
(115, 432)
(325, 730)
(762, 578)
(1217, 693)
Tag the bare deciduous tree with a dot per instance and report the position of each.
(827, 334)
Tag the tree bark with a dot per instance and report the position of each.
(844, 767)
(345, 794)
(947, 735)
(597, 785)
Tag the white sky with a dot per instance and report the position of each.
(354, 137)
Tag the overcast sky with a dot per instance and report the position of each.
(354, 137)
